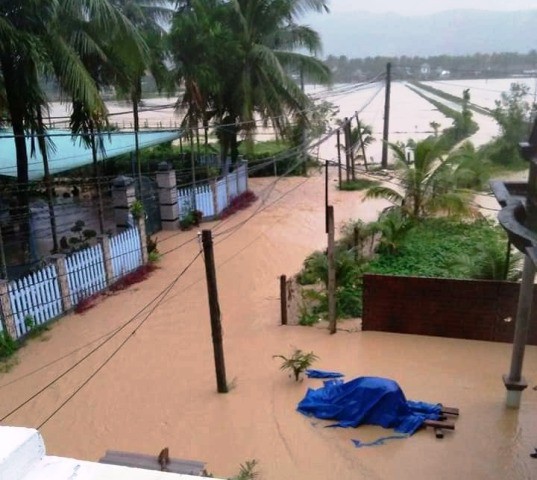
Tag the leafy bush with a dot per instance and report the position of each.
(434, 246)
(358, 184)
(8, 346)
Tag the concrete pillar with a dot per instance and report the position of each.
(104, 240)
(123, 196)
(167, 194)
(59, 261)
(213, 186)
(8, 322)
(143, 238)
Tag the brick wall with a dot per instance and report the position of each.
(471, 309)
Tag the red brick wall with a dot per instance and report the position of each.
(471, 309)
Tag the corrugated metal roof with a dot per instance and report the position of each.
(69, 152)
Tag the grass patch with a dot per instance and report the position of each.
(358, 184)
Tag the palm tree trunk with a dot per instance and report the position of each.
(15, 106)
(48, 183)
(97, 180)
(135, 97)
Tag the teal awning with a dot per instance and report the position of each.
(69, 152)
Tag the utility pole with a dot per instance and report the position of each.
(326, 195)
(351, 148)
(385, 136)
(214, 308)
(331, 272)
(339, 157)
(347, 141)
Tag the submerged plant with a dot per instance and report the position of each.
(298, 362)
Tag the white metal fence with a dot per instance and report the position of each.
(125, 252)
(211, 199)
(41, 296)
(35, 299)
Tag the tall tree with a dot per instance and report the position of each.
(236, 61)
(150, 18)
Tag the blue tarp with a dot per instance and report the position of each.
(311, 373)
(367, 401)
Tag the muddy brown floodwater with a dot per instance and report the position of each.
(160, 389)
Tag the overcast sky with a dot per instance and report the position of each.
(415, 7)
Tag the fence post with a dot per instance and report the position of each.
(59, 261)
(167, 195)
(123, 196)
(104, 240)
(143, 238)
(8, 322)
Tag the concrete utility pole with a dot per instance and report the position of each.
(347, 156)
(361, 140)
(385, 136)
(214, 308)
(326, 195)
(514, 382)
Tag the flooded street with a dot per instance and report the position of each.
(160, 389)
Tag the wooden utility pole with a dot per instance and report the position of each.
(347, 141)
(385, 136)
(283, 299)
(326, 195)
(214, 308)
(361, 140)
(351, 148)
(331, 273)
(339, 156)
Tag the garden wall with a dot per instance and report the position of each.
(470, 309)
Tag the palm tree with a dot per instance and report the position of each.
(46, 37)
(149, 17)
(235, 61)
(427, 186)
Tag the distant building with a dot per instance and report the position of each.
(425, 70)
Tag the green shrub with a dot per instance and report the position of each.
(358, 184)
(8, 346)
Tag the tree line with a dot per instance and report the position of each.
(478, 65)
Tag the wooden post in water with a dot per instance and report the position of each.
(326, 195)
(347, 147)
(283, 299)
(214, 308)
(331, 273)
(350, 147)
(339, 156)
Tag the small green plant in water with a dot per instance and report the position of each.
(297, 363)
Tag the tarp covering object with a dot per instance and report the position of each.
(367, 401)
(311, 373)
